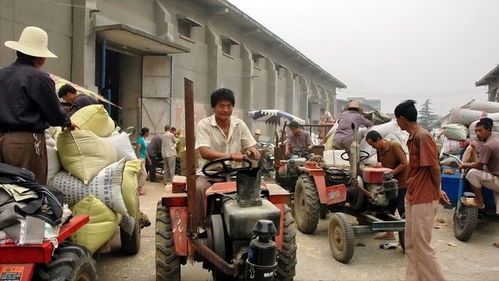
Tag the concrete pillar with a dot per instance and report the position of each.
(272, 84)
(290, 91)
(247, 93)
(214, 53)
(164, 21)
(83, 44)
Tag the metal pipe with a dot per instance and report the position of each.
(212, 257)
(190, 156)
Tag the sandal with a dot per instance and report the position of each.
(142, 192)
(470, 202)
(385, 236)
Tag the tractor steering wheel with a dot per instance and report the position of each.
(346, 157)
(227, 170)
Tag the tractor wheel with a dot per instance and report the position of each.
(341, 237)
(402, 240)
(307, 205)
(465, 220)
(287, 256)
(71, 262)
(130, 243)
(167, 261)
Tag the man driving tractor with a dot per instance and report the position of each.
(221, 135)
(299, 142)
(485, 171)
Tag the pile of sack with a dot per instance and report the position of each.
(96, 170)
(387, 128)
(458, 129)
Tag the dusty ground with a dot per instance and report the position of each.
(473, 260)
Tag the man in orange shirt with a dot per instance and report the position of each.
(422, 196)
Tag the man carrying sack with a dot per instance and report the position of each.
(28, 104)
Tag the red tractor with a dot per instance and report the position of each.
(69, 262)
(250, 232)
(362, 192)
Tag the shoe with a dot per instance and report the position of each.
(470, 202)
(385, 236)
(142, 192)
(145, 222)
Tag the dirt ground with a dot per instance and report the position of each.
(476, 259)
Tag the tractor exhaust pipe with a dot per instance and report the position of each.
(212, 257)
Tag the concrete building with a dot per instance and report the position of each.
(137, 53)
(491, 80)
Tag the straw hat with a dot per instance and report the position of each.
(354, 104)
(258, 132)
(33, 41)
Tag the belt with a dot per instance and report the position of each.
(7, 131)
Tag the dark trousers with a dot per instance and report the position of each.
(151, 169)
(18, 149)
(398, 203)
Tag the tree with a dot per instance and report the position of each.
(426, 117)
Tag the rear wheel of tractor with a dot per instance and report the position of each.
(130, 243)
(167, 261)
(286, 261)
(71, 262)
(465, 220)
(402, 240)
(341, 237)
(307, 205)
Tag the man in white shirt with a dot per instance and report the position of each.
(169, 154)
(221, 135)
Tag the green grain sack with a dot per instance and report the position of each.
(83, 154)
(129, 186)
(94, 118)
(101, 227)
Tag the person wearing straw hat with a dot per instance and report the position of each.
(28, 104)
(344, 134)
(257, 135)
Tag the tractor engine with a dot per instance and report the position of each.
(242, 216)
(290, 168)
(381, 184)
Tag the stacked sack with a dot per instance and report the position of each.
(459, 129)
(389, 130)
(98, 176)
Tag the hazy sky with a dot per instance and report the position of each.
(392, 49)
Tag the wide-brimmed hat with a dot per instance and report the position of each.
(258, 132)
(353, 104)
(33, 41)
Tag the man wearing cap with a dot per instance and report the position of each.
(344, 134)
(257, 135)
(28, 104)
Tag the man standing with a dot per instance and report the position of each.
(391, 155)
(423, 195)
(485, 171)
(28, 104)
(220, 135)
(299, 142)
(169, 154)
(77, 100)
(343, 137)
(154, 152)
